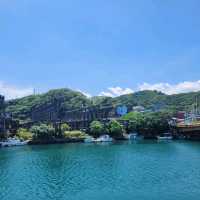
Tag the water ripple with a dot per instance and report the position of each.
(120, 171)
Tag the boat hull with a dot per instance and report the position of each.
(164, 138)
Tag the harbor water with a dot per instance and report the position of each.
(116, 171)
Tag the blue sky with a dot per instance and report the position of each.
(94, 45)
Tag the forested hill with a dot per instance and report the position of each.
(156, 100)
(69, 99)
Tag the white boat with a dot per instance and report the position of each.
(165, 136)
(13, 142)
(135, 136)
(104, 138)
(89, 139)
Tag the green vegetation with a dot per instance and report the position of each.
(43, 132)
(156, 101)
(115, 129)
(75, 134)
(161, 108)
(24, 134)
(99, 100)
(136, 121)
(68, 100)
(133, 116)
(65, 127)
(96, 128)
(156, 123)
(148, 123)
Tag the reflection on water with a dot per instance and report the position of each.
(122, 170)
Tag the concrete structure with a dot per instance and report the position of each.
(80, 119)
(77, 119)
(138, 109)
(182, 130)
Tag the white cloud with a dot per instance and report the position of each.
(116, 91)
(12, 92)
(183, 87)
(88, 95)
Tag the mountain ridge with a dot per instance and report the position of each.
(69, 99)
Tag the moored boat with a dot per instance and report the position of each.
(13, 142)
(89, 139)
(104, 138)
(165, 136)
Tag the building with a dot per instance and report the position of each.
(181, 115)
(138, 109)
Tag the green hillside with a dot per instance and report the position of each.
(157, 101)
(69, 99)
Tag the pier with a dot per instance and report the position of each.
(190, 131)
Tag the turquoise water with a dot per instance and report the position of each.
(120, 171)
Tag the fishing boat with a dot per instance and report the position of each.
(13, 142)
(165, 136)
(104, 138)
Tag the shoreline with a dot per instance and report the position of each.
(56, 141)
(74, 140)
(81, 140)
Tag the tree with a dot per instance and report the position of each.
(135, 121)
(149, 124)
(159, 122)
(132, 126)
(62, 129)
(24, 134)
(65, 127)
(133, 116)
(43, 132)
(96, 128)
(115, 128)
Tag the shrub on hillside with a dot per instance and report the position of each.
(97, 128)
(150, 122)
(43, 132)
(115, 128)
(24, 134)
(75, 134)
(65, 127)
